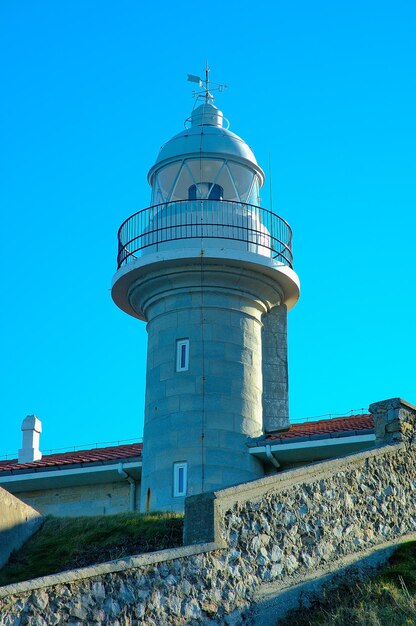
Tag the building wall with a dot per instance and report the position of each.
(265, 536)
(98, 499)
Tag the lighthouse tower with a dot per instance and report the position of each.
(210, 271)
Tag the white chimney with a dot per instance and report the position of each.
(31, 428)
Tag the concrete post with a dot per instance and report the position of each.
(275, 372)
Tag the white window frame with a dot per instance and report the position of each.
(177, 469)
(182, 344)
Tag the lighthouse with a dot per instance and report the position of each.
(210, 271)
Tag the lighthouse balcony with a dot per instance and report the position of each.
(205, 224)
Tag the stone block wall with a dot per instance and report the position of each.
(275, 370)
(202, 415)
(265, 536)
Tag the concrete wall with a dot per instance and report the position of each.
(271, 537)
(98, 499)
(17, 523)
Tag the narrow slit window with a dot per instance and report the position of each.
(182, 355)
(180, 471)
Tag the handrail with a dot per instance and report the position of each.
(259, 229)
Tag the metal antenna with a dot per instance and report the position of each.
(207, 71)
(207, 85)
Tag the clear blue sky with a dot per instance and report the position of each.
(90, 90)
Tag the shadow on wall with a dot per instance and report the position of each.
(18, 522)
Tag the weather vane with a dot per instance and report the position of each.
(207, 85)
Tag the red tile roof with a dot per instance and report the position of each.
(113, 453)
(326, 427)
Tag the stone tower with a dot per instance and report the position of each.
(210, 271)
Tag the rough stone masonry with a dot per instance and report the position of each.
(274, 531)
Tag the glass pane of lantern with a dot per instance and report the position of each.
(182, 184)
(243, 180)
(157, 196)
(254, 195)
(225, 182)
(191, 183)
(205, 171)
(212, 191)
(166, 178)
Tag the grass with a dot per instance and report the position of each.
(68, 543)
(388, 599)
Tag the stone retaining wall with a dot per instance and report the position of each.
(273, 532)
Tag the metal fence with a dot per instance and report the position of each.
(79, 447)
(256, 229)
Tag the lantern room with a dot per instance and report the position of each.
(206, 161)
(205, 201)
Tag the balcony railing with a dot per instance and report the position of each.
(241, 226)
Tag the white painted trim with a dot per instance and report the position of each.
(177, 467)
(133, 272)
(180, 345)
(48, 474)
(317, 443)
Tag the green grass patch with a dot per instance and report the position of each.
(388, 599)
(70, 542)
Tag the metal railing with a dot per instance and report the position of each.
(80, 447)
(330, 416)
(255, 228)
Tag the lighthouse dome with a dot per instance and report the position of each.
(207, 157)
(206, 136)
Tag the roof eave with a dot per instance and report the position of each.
(306, 450)
(69, 476)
